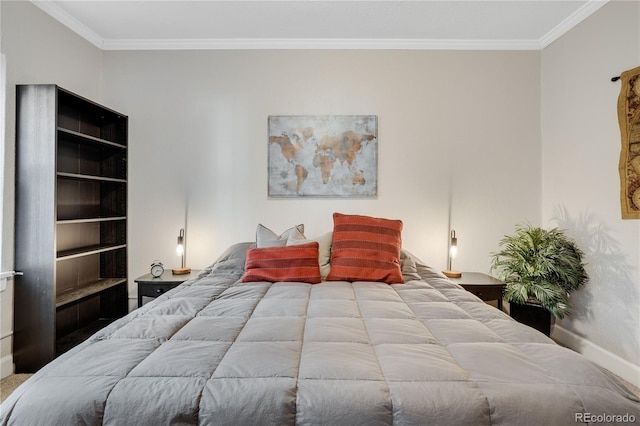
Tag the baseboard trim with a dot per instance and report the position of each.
(6, 366)
(132, 303)
(612, 362)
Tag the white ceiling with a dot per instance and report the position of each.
(341, 24)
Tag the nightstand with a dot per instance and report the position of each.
(149, 286)
(484, 286)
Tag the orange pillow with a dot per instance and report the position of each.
(288, 263)
(366, 249)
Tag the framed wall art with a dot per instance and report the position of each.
(323, 156)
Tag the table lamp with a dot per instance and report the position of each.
(453, 251)
(180, 252)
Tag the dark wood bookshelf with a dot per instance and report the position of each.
(71, 220)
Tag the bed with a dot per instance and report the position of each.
(220, 351)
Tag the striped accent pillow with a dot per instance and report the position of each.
(290, 263)
(366, 249)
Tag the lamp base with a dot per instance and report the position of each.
(452, 274)
(181, 271)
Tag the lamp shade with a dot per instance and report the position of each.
(453, 246)
(180, 246)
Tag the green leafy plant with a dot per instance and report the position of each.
(540, 266)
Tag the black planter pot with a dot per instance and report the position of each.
(533, 315)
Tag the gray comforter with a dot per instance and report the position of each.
(217, 351)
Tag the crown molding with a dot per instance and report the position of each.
(572, 20)
(69, 21)
(326, 44)
(72, 23)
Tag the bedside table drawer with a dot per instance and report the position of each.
(484, 292)
(155, 289)
(484, 286)
(149, 286)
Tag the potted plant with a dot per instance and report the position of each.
(540, 269)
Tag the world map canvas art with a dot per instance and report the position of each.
(323, 156)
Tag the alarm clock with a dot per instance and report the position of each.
(157, 268)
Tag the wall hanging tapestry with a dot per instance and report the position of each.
(629, 120)
(323, 156)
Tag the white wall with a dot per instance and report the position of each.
(580, 182)
(38, 49)
(455, 128)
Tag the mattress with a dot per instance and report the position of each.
(218, 351)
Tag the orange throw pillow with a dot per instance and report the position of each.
(290, 263)
(366, 249)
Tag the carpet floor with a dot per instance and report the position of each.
(9, 383)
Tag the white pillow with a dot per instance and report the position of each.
(324, 249)
(265, 237)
